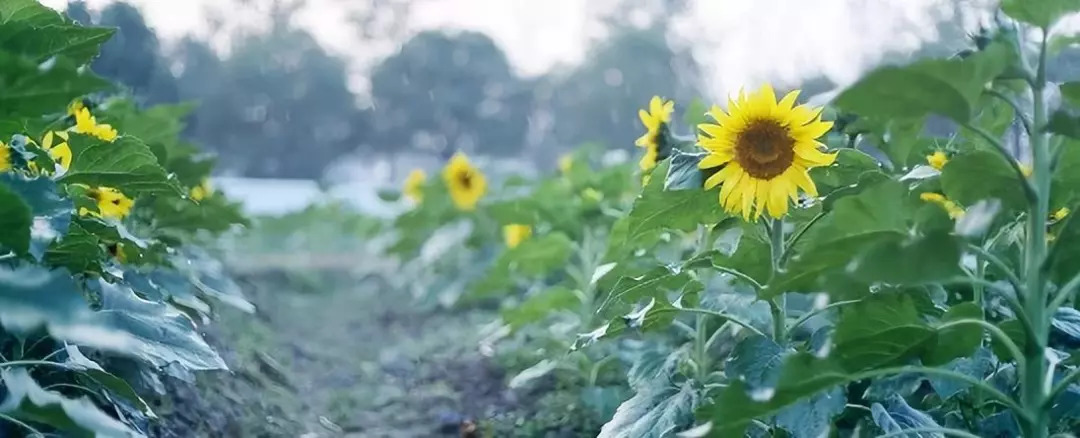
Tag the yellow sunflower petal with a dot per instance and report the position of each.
(812, 157)
(716, 158)
(787, 103)
(802, 180)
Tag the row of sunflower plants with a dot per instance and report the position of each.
(900, 263)
(105, 220)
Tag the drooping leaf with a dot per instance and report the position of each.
(1041, 13)
(50, 210)
(978, 366)
(77, 361)
(683, 172)
(653, 413)
(896, 415)
(812, 417)
(1066, 321)
(15, 221)
(27, 401)
(756, 360)
(950, 88)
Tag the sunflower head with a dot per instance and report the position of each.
(514, 234)
(85, 123)
(766, 148)
(414, 185)
(656, 139)
(955, 211)
(465, 182)
(5, 157)
(56, 143)
(201, 191)
(937, 160)
(111, 204)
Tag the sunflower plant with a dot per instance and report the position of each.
(104, 279)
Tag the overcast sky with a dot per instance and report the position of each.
(738, 42)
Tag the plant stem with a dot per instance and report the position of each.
(700, 349)
(779, 309)
(1033, 381)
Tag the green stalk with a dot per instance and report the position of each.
(778, 304)
(1033, 392)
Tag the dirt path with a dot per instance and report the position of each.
(327, 356)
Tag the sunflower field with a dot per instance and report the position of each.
(107, 232)
(773, 268)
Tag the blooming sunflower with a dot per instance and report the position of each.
(766, 148)
(656, 121)
(85, 123)
(465, 182)
(5, 157)
(202, 191)
(59, 150)
(111, 204)
(514, 234)
(937, 160)
(414, 185)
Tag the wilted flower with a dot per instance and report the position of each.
(766, 148)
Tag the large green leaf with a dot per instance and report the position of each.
(50, 209)
(850, 164)
(977, 175)
(125, 164)
(882, 330)
(31, 90)
(1041, 13)
(539, 305)
(27, 401)
(812, 417)
(39, 43)
(656, 283)
(79, 251)
(896, 416)
(15, 221)
(658, 209)
(950, 88)
(653, 412)
(956, 341)
(77, 361)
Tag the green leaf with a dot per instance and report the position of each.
(1041, 13)
(15, 221)
(929, 258)
(659, 209)
(27, 401)
(79, 251)
(1070, 91)
(31, 91)
(979, 366)
(28, 11)
(896, 415)
(850, 164)
(950, 88)
(39, 43)
(1014, 329)
(752, 255)
(51, 211)
(654, 412)
(538, 306)
(125, 164)
(881, 330)
(812, 417)
(973, 176)
(77, 361)
(655, 283)
(683, 172)
(957, 341)
(756, 360)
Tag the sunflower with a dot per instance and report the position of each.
(201, 191)
(414, 185)
(111, 204)
(87, 124)
(955, 211)
(59, 150)
(937, 160)
(765, 148)
(465, 182)
(656, 121)
(514, 234)
(5, 157)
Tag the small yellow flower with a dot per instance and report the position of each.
(566, 162)
(1026, 170)
(1060, 213)
(87, 124)
(75, 106)
(5, 157)
(202, 191)
(465, 182)
(111, 203)
(766, 148)
(658, 115)
(56, 144)
(955, 211)
(937, 160)
(414, 185)
(514, 234)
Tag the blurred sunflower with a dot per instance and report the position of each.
(110, 202)
(414, 185)
(56, 144)
(937, 160)
(514, 234)
(566, 163)
(766, 148)
(202, 191)
(656, 120)
(85, 123)
(5, 157)
(465, 182)
(955, 211)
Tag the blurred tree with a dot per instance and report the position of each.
(444, 92)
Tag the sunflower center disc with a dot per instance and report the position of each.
(764, 149)
(465, 178)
